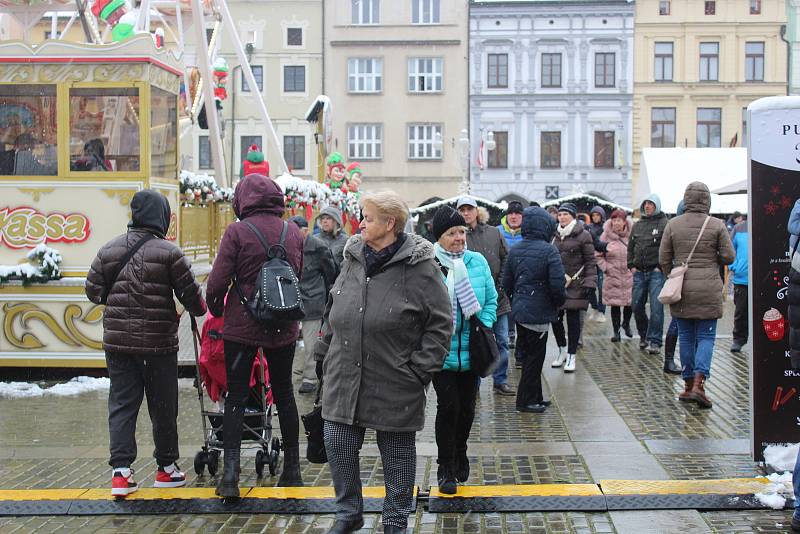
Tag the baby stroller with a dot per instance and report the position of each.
(211, 377)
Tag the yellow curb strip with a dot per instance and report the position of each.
(728, 486)
(523, 490)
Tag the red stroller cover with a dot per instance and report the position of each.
(212, 360)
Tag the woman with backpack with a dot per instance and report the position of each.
(707, 240)
(257, 201)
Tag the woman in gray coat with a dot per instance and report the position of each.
(701, 297)
(387, 329)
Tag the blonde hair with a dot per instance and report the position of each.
(388, 204)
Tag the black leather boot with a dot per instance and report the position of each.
(340, 526)
(228, 487)
(290, 476)
(670, 343)
(391, 529)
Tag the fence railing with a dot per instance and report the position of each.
(202, 227)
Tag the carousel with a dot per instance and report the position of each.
(85, 124)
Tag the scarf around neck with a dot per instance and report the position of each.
(458, 285)
(567, 230)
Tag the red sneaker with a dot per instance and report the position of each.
(169, 476)
(122, 483)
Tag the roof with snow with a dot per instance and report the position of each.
(667, 171)
(590, 199)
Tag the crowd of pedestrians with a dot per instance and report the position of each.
(388, 313)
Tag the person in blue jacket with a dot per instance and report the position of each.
(740, 269)
(509, 225)
(534, 281)
(472, 293)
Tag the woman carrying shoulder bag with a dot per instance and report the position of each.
(700, 304)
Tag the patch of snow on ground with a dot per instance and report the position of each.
(781, 457)
(76, 386)
(771, 500)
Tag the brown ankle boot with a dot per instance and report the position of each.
(698, 393)
(685, 395)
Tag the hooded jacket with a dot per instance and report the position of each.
(618, 279)
(258, 200)
(319, 274)
(140, 315)
(577, 250)
(597, 229)
(383, 338)
(701, 296)
(646, 237)
(533, 277)
(334, 240)
(511, 236)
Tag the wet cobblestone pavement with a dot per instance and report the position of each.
(617, 413)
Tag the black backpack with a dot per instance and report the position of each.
(277, 293)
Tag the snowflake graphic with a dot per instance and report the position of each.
(786, 202)
(771, 208)
(775, 189)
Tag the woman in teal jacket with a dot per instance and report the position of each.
(472, 293)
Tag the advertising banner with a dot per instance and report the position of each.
(774, 186)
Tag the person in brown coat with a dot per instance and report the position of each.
(259, 201)
(140, 335)
(576, 246)
(701, 297)
(386, 331)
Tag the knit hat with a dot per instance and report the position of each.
(619, 214)
(515, 206)
(300, 221)
(353, 167)
(335, 160)
(332, 212)
(570, 208)
(254, 162)
(444, 219)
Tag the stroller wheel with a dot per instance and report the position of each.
(261, 460)
(213, 462)
(200, 460)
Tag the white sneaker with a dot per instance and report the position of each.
(559, 361)
(169, 476)
(569, 367)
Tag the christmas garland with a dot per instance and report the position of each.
(49, 267)
(202, 189)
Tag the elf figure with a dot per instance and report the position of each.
(220, 76)
(109, 11)
(354, 177)
(335, 177)
(255, 163)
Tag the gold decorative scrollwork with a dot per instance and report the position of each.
(70, 335)
(36, 192)
(70, 72)
(16, 73)
(125, 195)
(128, 72)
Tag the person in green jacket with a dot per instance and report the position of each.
(472, 293)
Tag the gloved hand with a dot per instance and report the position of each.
(318, 370)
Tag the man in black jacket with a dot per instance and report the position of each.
(648, 279)
(319, 274)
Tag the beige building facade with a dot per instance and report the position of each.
(698, 64)
(396, 72)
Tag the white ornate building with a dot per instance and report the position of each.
(553, 81)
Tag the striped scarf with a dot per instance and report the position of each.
(458, 286)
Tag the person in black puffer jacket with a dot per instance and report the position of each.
(533, 279)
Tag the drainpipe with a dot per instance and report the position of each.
(788, 59)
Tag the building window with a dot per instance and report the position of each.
(551, 70)
(663, 7)
(294, 36)
(662, 127)
(754, 62)
(498, 71)
(51, 35)
(604, 150)
(755, 7)
(294, 151)
(203, 152)
(709, 62)
(711, 7)
(425, 11)
(604, 64)
(663, 62)
(498, 158)
(709, 127)
(551, 150)
(366, 11)
(425, 75)
(294, 79)
(364, 75)
(258, 74)
(424, 141)
(245, 142)
(365, 141)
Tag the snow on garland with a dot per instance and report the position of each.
(49, 267)
(202, 188)
(433, 206)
